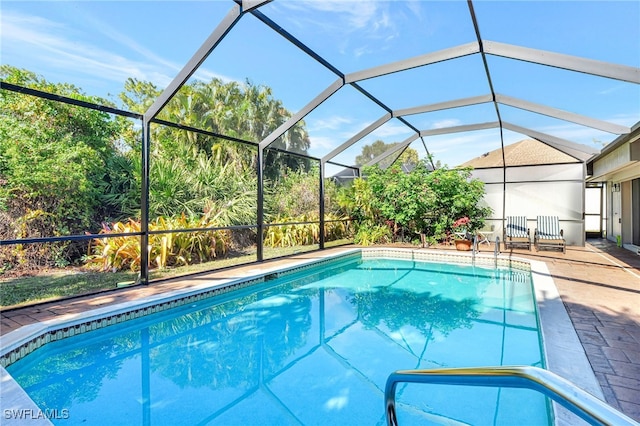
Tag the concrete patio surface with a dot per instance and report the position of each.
(599, 285)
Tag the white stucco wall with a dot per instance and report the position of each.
(548, 190)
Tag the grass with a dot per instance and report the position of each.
(62, 283)
(25, 290)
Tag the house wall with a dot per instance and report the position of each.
(614, 160)
(618, 168)
(625, 191)
(614, 224)
(544, 190)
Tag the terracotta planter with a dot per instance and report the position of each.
(463, 245)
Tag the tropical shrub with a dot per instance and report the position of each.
(54, 159)
(403, 200)
(299, 234)
(240, 110)
(296, 193)
(336, 227)
(372, 234)
(165, 250)
(456, 195)
(407, 204)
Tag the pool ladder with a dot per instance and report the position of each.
(474, 250)
(576, 400)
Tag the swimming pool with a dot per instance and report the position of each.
(311, 347)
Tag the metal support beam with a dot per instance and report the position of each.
(291, 39)
(460, 129)
(249, 5)
(563, 115)
(322, 207)
(144, 202)
(418, 61)
(260, 211)
(370, 128)
(429, 156)
(581, 152)
(67, 100)
(196, 60)
(475, 100)
(323, 96)
(567, 62)
(476, 27)
(398, 147)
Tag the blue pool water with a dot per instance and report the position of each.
(313, 348)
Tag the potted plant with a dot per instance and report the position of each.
(462, 233)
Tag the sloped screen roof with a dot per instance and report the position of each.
(451, 79)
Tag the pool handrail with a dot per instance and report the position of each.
(578, 401)
(474, 249)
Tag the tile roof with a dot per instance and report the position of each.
(524, 153)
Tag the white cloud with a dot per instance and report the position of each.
(323, 143)
(44, 39)
(127, 42)
(329, 123)
(58, 49)
(612, 89)
(391, 130)
(329, 133)
(357, 14)
(358, 28)
(625, 119)
(444, 123)
(457, 148)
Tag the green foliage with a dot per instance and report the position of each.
(193, 172)
(404, 199)
(421, 201)
(294, 234)
(408, 158)
(456, 196)
(170, 249)
(357, 201)
(297, 234)
(295, 198)
(296, 193)
(336, 227)
(54, 160)
(424, 311)
(195, 184)
(120, 187)
(332, 195)
(138, 95)
(368, 234)
(245, 111)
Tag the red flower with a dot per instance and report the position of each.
(461, 223)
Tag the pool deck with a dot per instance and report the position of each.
(599, 285)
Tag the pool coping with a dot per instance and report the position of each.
(563, 351)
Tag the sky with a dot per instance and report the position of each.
(97, 45)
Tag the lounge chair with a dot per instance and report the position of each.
(548, 233)
(516, 233)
